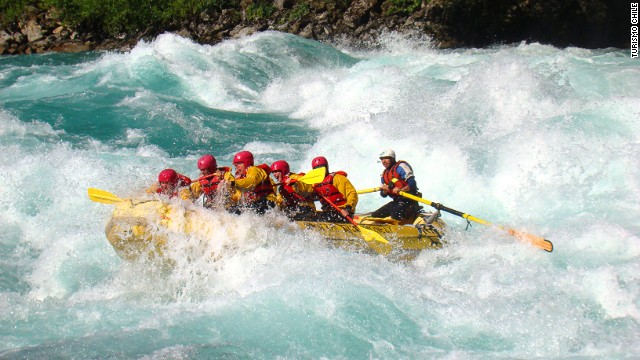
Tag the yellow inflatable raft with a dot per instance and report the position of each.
(140, 228)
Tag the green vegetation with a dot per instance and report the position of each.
(260, 10)
(115, 17)
(299, 11)
(11, 10)
(403, 6)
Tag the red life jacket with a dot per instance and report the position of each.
(182, 182)
(330, 191)
(209, 183)
(392, 178)
(260, 191)
(289, 194)
(266, 168)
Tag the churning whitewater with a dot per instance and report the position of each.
(533, 137)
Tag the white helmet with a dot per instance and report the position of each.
(387, 153)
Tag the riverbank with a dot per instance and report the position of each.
(449, 23)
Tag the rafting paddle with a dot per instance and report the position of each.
(314, 176)
(374, 240)
(534, 240)
(103, 196)
(366, 191)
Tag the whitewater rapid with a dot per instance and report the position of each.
(541, 139)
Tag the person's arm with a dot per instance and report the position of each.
(396, 190)
(413, 186)
(196, 189)
(152, 189)
(406, 173)
(302, 188)
(306, 192)
(280, 200)
(228, 183)
(384, 189)
(346, 188)
(255, 176)
(271, 197)
(186, 194)
(228, 176)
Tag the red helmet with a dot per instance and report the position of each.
(207, 162)
(168, 176)
(319, 161)
(244, 157)
(280, 165)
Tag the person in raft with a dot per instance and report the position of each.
(208, 184)
(297, 206)
(396, 177)
(252, 184)
(171, 184)
(336, 194)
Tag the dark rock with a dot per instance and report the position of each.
(283, 4)
(358, 12)
(307, 32)
(19, 38)
(5, 38)
(32, 30)
(242, 31)
(70, 46)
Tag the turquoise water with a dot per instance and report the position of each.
(541, 139)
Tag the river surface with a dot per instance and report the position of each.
(533, 137)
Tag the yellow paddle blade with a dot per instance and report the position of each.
(314, 176)
(103, 196)
(366, 191)
(371, 235)
(534, 240)
(376, 241)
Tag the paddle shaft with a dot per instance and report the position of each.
(537, 241)
(375, 240)
(366, 191)
(338, 209)
(431, 203)
(444, 208)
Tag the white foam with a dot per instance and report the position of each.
(532, 137)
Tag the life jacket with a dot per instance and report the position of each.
(266, 168)
(330, 191)
(392, 178)
(260, 191)
(182, 182)
(209, 183)
(289, 195)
